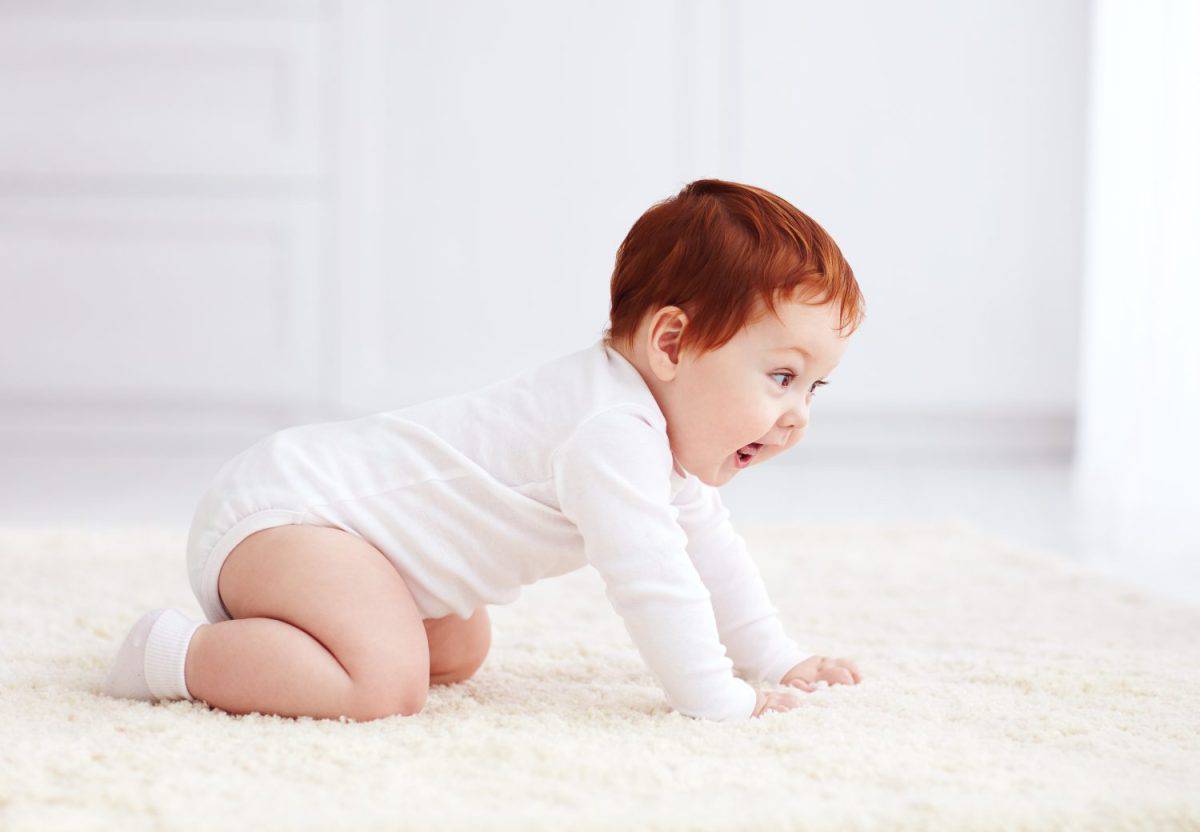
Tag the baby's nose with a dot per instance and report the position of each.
(796, 420)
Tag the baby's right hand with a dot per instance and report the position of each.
(772, 701)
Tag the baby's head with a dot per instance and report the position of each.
(713, 289)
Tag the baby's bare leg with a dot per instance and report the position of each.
(323, 626)
(457, 646)
(266, 665)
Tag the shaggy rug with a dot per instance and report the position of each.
(1004, 688)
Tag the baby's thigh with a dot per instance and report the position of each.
(343, 592)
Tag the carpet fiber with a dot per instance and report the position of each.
(1003, 688)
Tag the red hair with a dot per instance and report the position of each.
(715, 249)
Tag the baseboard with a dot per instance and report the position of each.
(948, 435)
(176, 429)
(147, 428)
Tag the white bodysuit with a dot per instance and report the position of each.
(474, 495)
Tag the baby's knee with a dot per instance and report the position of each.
(377, 701)
(390, 683)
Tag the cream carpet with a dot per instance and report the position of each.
(1004, 689)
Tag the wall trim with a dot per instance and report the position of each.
(160, 428)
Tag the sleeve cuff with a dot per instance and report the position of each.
(751, 700)
(779, 668)
(740, 706)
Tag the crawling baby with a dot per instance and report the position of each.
(344, 567)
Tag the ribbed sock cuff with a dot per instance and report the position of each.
(166, 654)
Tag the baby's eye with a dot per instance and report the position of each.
(817, 384)
(787, 376)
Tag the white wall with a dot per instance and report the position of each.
(456, 178)
(941, 143)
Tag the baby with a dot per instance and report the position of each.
(344, 567)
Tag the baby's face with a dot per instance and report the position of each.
(754, 389)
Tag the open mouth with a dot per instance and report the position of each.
(745, 454)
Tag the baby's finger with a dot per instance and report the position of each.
(803, 685)
(790, 701)
(840, 675)
(781, 702)
(835, 675)
(853, 668)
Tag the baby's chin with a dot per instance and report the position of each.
(719, 474)
(710, 472)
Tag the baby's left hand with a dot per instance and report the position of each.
(818, 668)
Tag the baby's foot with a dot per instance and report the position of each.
(149, 664)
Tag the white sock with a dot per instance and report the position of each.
(150, 663)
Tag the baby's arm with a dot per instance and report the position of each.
(747, 620)
(613, 481)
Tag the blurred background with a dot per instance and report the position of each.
(219, 219)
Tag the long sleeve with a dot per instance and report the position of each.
(612, 477)
(748, 623)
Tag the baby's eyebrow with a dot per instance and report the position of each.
(800, 350)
